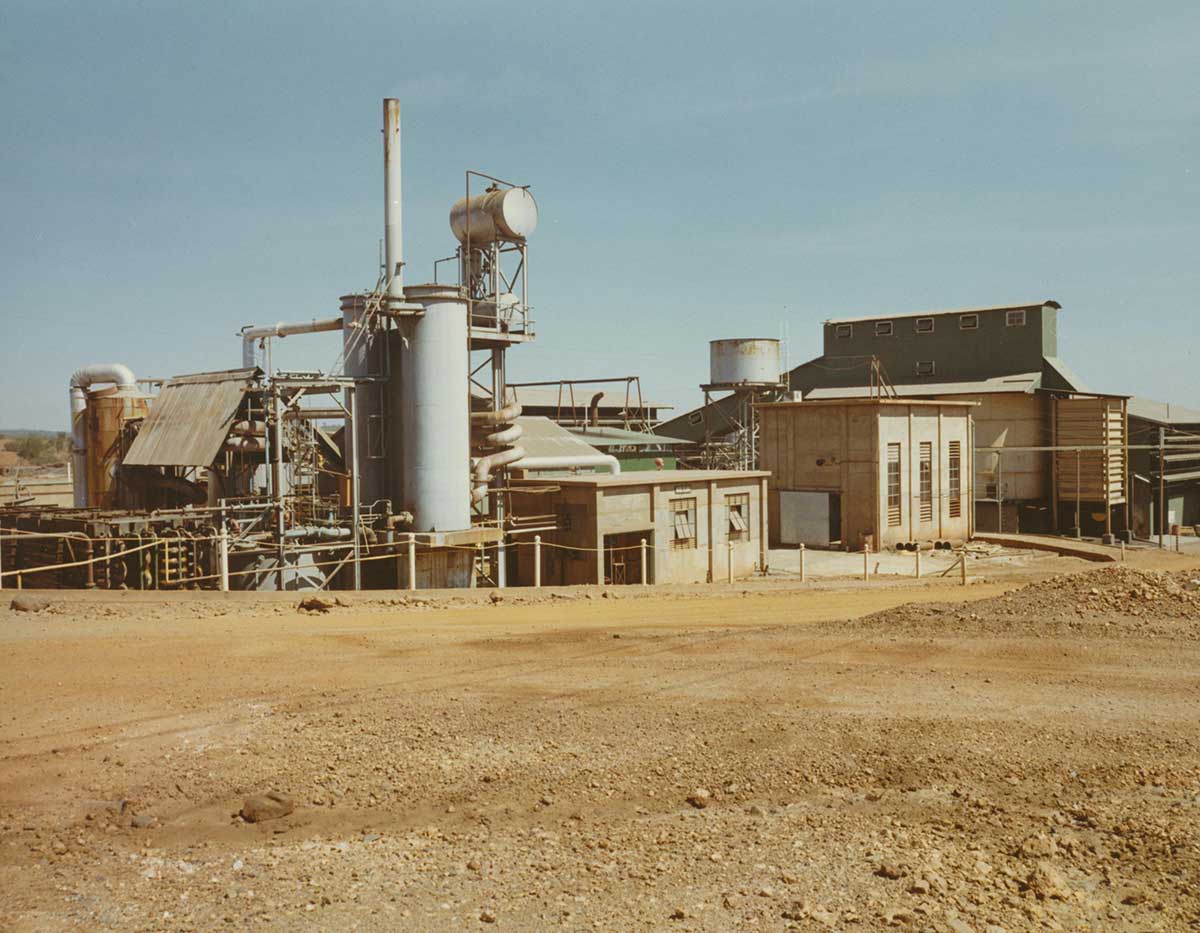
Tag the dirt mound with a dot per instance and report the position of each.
(1113, 600)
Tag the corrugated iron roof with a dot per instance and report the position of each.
(190, 419)
(618, 437)
(1022, 383)
(541, 437)
(1162, 412)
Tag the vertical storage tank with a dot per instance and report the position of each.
(433, 410)
(107, 413)
(744, 361)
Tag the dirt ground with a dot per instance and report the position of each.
(1022, 753)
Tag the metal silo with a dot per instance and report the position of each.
(433, 415)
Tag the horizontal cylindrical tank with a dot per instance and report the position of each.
(500, 214)
(434, 410)
(747, 361)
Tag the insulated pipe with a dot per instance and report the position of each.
(81, 380)
(393, 208)
(250, 334)
(503, 416)
(594, 410)
(567, 461)
(485, 465)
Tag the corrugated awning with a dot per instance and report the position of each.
(190, 419)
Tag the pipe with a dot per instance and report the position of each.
(393, 232)
(567, 461)
(503, 416)
(249, 334)
(81, 380)
(322, 532)
(485, 465)
(594, 410)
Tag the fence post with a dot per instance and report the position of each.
(645, 578)
(537, 561)
(412, 561)
(2, 558)
(801, 563)
(729, 560)
(917, 553)
(963, 567)
(866, 559)
(1122, 552)
(223, 557)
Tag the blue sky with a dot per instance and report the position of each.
(173, 171)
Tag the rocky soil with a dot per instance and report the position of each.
(1029, 760)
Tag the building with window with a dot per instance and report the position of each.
(878, 471)
(696, 523)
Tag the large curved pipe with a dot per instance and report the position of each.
(485, 465)
(505, 415)
(250, 334)
(569, 461)
(81, 380)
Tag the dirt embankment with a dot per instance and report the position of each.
(1029, 760)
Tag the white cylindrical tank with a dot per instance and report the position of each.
(747, 361)
(435, 411)
(501, 214)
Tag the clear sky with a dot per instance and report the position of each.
(172, 171)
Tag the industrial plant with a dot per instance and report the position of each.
(413, 462)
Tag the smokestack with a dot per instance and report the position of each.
(393, 239)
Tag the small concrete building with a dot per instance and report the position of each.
(883, 471)
(687, 517)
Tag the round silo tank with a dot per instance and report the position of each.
(435, 430)
(745, 361)
(497, 214)
(108, 411)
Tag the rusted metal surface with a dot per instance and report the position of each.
(190, 419)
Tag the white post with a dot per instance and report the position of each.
(866, 560)
(1122, 552)
(729, 560)
(223, 557)
(801, 563)
(537, 561)
(645, 580)
(917, 553)
(412, 561)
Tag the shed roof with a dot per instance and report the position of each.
(651, 478)
(1024, 383)
(190, 418)
(1162, 412)
(1050, 303)
(868, 402)
(604, 436)
(541, 437)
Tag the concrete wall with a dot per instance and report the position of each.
(842, 449)
(587, 513)
(1012, 419)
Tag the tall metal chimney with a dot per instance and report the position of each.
(393, 211)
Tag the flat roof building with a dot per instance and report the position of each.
(882, 472)
(699, 525)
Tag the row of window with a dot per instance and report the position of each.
(683, 520)
(895, 483)
(925, 325)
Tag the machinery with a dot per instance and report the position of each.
(390, 467)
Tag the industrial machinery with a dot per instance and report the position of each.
(388, 469)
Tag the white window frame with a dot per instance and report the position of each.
(968, 322)
(1015, 318)
(884, 329)
(843, 331)
(683, 523)
(919, 329)
(932, 364)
